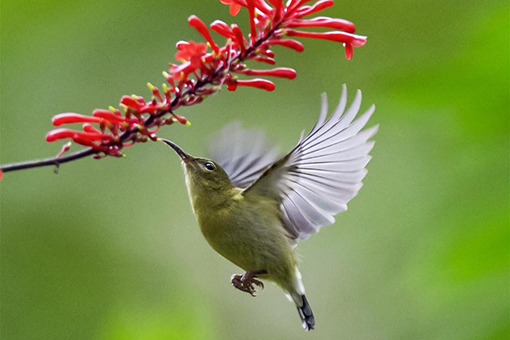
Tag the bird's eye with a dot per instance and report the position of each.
(209, 166)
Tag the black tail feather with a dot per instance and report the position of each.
(306, 314)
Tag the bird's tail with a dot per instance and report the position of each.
(305, 313)
(297, 294)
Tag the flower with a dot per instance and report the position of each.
(234, 6)
(203, 68)
(191, 51)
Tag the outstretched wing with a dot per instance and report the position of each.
(244, 154)
(324, 170)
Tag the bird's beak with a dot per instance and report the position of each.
(184, 156)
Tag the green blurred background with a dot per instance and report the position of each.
(110, 249)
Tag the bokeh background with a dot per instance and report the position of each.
(110, 249)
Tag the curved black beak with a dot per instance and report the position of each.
(184, 156)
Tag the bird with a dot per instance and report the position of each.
(254, 205)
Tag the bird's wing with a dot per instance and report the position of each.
(323, 172)
(243, 153)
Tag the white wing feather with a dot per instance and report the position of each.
(323, 172)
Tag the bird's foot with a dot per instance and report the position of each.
(246, 283)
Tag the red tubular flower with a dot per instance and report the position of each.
(112, 117)
(289, 43)
(251, 13)
(343, 37)
(70, 118)
(328, 22)
(89, 128)
(222, 28)
(239, 38)
(282, 72)
(199, 25)
(257, 83)
(263, 7)
(155, 91)
(200, 73)
(131, 102)
(181, 119)
(57, 134)
(269, 61)
(278, 5)
(191, 51)
(317, 7)
(181, 71)
(292, 5)
(234, 6)
(348, 51)
(87, 142)
(267, 53)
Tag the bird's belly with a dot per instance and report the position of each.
(250, 242)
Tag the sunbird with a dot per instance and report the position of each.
(254, 206)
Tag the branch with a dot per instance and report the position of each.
(199, 75)
(55, 161)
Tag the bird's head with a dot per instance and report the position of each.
(203, 176)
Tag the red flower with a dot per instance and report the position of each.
(201, 73)
(70, 118)
(191, 51)
(234, 6)
(281, 72)
(199, 25)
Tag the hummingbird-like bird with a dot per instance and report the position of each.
(254, 206)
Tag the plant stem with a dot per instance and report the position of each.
(56, 161)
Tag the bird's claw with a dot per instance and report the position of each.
(246, 283)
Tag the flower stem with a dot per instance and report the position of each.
(56, 161)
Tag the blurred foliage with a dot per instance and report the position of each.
(110, 249)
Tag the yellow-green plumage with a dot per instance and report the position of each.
(245, 229)
(253, 206)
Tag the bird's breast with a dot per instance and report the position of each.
(243, 231)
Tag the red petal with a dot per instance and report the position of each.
(185, 69)
(131, 102)
(258, 83)
(267, 53)
(70, 118)
(57, 134)
(112, 117)
(318, 6)
(239, 38)
(278, 6)
(234, 9)
(181, 44)
(232, 86)
(180, 119)
(336, 23)
(338, 36)
(251, 13)
(289, 43)
(199, 25)
(263, 7)
(86, 142)
(89, 128)
(222, 28)
(270, 61)
(348, 51)
(282, 72)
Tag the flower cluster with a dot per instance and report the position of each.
(204, 68)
